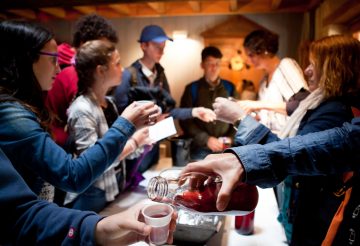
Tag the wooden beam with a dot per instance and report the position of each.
(25, 13)
(85, 9)
(233, 5)
(195, 6)
(275, 4)
(121, 8)
(57, 12)
(345, 13)
(23, 4)
(3, 16)
(158, 7)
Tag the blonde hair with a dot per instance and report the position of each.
(337, 60)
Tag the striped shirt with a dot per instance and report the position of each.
(287, 80)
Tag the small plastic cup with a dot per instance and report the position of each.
(158, 216)
(245, 224)
(148, 101)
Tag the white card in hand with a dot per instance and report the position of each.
(162, 129)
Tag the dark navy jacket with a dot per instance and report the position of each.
(28, 221)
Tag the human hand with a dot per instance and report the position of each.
(226, 165)
(204, 114)
(250, 106)
(214, 144)
(141, 137)
(141, 114)
(127, 227)
(227, 111)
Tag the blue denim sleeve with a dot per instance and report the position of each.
(29, 147)
(250, 131)
(322, 153)
(25, 220)
(181, 113)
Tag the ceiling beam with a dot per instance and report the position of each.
(3, 16)
(159, 7)
(275, 4)
(233, 5)
(25, 13)
(195, 6)
(120, 8)
(22, 4)
(85, 9)
(57, 12)
(346, 12)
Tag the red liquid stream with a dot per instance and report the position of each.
(243, 198)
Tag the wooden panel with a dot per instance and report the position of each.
(121, 8)
(57, 12)
(85, 9)
(26, 13)
(345, 13)
(158, 7)
(195, 6)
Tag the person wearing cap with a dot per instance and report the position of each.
(147, 72)
(207, 138)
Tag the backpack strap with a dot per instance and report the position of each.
(194, 92)
(133, 72)
(347, 189)
(229, 88)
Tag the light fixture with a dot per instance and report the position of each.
(180, 34)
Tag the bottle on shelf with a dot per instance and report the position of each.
(198, 192)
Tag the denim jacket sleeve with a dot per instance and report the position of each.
(25, 220)
(327, 152)
(29, 147)
(250, 131)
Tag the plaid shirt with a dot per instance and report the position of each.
(87, 124)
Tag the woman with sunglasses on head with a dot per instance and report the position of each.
(27, 69)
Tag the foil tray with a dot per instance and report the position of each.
(196, 228)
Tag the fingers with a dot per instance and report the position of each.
(138, 227)
(199, 166)
(224, 195)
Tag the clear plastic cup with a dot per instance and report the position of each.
(158, 216)
(148, 101)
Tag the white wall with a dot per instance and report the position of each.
(182, 57)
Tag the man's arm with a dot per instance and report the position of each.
(322, 153)
(327, 152)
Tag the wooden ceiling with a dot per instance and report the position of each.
(72, 9)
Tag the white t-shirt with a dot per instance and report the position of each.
(287, 80)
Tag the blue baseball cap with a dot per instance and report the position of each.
(153, 33)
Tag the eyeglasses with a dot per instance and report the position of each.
(54, 56)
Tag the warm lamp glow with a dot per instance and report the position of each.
(180, 34)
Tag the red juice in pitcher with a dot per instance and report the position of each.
(198, 192)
